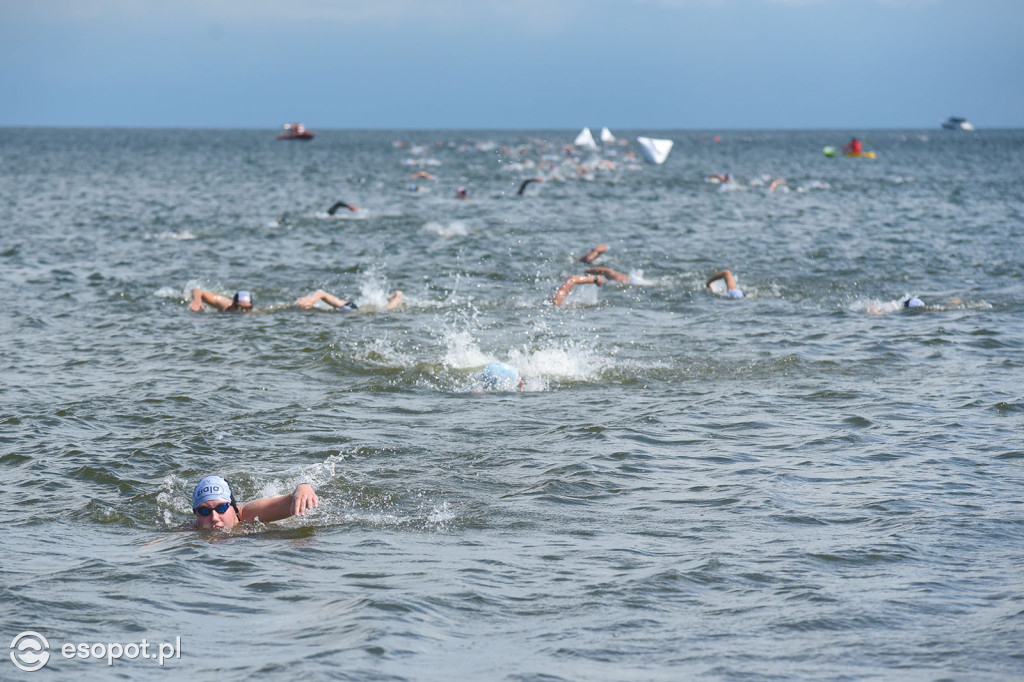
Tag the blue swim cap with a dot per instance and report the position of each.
(913, 302)
(211, 488)
(500, 377)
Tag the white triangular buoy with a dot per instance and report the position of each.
(606, 136)
(585, 139)
(654, 150)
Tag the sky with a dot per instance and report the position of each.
(519, 64)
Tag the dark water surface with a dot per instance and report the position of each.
(785, 486)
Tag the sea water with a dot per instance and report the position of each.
(811, 482)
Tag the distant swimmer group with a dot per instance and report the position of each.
(215, 508)
(598, 275)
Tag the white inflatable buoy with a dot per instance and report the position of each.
(654, 150)
(585, 139)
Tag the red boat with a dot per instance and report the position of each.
(295, 131)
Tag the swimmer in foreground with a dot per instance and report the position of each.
(215, 508)
(242, 302)
(731, 290)
(341, 204)
(572, 281)
(307, 302)
(590, 256)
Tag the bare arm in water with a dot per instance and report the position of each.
(589, 256)
(609, 273)
(572, 281)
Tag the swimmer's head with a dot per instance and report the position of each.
(211, 488)
(242, 300)
(214, 505)
(913, 302)
(498, 376)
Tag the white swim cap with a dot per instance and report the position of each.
(211, 488)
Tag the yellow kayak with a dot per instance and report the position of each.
(862, 155)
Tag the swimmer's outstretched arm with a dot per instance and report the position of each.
(307, 302)
(589, 256)
(341, 204)
(281, 507)
(572, 281)
(609, 273)
(730, 282)
(394, 300)
(527, 181)
(201, 297)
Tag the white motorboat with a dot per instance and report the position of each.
(956, 123)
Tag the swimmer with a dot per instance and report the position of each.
(461, 193)
(498, 376)
(610, 274)
(307, 302)
(242, 302)
(572, 281)
(215, 508)
(341, 204)
(590, 256)
(424, 175)
(731, 290)
(777, 182)
(909, 302)
(527, 181)
(723, 178)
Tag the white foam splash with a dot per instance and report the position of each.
(463, 351)
(456, 228)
